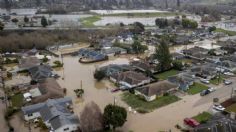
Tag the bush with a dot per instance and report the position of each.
(99, 75)
(177, 65)
(57, 64)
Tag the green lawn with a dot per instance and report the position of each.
(196, 88)
(145, 14)
(17, 100)
(166, 74)
(231, 108)
(142, 106)
(230, 33)
(202, 117)
(89, 21)
(216, 80)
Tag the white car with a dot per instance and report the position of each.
(211, 89)
(227, 82)
(218, 107)
(228, 73)
(205, 81)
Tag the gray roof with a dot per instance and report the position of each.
(37, 107)
(62, 120)
(40, 72)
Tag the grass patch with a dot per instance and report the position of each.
(216, 80)
(145, 14)
(202, 117)
(231, 108)
(166, 74)
(89, 21)
(142, 106)
(196, 88)
(230, 33)
(17, 100)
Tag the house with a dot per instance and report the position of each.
(91, 55)
(112, 51)
(177, 56)
(143, 66)
(227, 65)
(26, 63)
(218, 123)
(41, 72)
(130, 79)
(183, 80)
(31, 52)
(105, 43)
(56, 114)
(125, 37)
(181, 39)
(196, 53)
(205, 71)
(151, 91)
(47, 89)
(114, 69)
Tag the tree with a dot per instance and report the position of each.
(161, 23)
(44, 21)
(45, 59)
(211, 29)
(114, 116)
(186, 23)
(163, 56)
(99, 75)
(1, 26)
(26, 19)
(91, 118)
(177, 65)
(137, 27)
(138, 47)
(14, 20)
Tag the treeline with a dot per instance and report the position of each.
(11, 41)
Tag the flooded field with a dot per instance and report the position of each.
(106, 12)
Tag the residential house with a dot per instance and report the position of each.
(31, 52)
(181, 39)
(205, 71)
(183, 80)
(26, 63)
(91, 54)
(218, 123)
(112, 51)
(114, 69)
(196, 53)
(47, 89)
(143, 66)
(105, 43)
(152, 91)
(57, 114)
(125, 37)
(41, 72)
(177, 56)
(130, 79)
(227, 65)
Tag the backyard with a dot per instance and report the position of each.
(202, 117)
(89, 21)
(166, 74)
(230, 33)
(196, 88)
(17, 100)
(142, 106)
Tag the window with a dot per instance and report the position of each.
(30, 114)
(66, 129)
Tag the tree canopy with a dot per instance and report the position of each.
(1, 26)
(44, 21)
(26, 19)
(91, 118)
(138, 47)
(161, 22)
(114, 116)
(99, 75)
(187, 23)
(137, 27)
(163, 56)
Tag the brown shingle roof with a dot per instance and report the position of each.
(157, 88)
(26, 63)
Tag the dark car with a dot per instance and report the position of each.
(205, 92)
(191, 122)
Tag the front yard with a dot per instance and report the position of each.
(202, 117)
(166, 74)
(142, 106)
(216, 80)
(17, 100)
(196, 88)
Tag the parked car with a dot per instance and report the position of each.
(205, 81)
(191, 122)
(228, 73)
(218, 107)
(211, 89)
(205, 92)
(227, 82)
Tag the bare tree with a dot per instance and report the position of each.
(91, 118)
